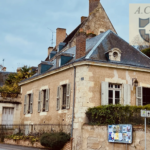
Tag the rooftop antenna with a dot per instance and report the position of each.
(3, 62)
(52, 36)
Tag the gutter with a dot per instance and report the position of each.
(73, 104)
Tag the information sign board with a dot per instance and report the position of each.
(143, 113)
(120, 133)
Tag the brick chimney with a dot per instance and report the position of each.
(49, 50)
(93, 4)
(60, 35)
(83, 18)
(80, 44)
(4, 69)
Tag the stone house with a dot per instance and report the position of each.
(90, 67)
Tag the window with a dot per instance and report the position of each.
(142, 96)
(64, 96)
(43, 101)
(114, 94)
(29, 98)
(28, 104)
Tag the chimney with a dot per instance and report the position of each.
(49, 50)
(4, 69)
(80, 44)
(83, 18)
(92, 5)
(60, 35)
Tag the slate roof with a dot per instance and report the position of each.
(97, 46)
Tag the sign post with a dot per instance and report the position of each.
(146, 114)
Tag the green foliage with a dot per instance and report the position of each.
(115, 114)
(16, 137)
(11, 83)
(55, 141)
(146, 51)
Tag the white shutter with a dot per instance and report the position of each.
(104, 93)
(127, 94)
(58, 99)
(39, 102)
(139, 96)
(25, 104)
(31, 104)
(47, 100)
(68, 97)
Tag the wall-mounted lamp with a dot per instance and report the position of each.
(135, 82)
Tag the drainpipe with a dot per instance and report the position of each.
(73, 106)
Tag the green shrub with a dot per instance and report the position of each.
(146, 51)
(115, 114)
(55, 141)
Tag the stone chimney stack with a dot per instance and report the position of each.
(60, 35)
(50, 50)
(83, 18)
(93, 4)
(80, 44)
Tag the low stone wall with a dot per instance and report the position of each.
(35, 144)
(95, 138)
(23, 143)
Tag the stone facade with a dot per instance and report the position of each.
(52, 116)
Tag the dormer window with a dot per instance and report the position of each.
(114, 54)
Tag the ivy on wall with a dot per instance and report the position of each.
(115, 114)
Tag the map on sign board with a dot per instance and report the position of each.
(143, 113)
(120, 133)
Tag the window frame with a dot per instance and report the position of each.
(114, 88)
(64, 97)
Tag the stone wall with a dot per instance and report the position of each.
(63, 116)
(95, 138)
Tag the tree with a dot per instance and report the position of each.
(11, 83)
(146, 51)
(139, 43)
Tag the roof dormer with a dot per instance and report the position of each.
(113, 54)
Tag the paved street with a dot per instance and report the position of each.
(12, 147)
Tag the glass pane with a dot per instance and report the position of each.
(110, 94)
(110, 101)
(117, 94)
(116, 86)
(117, 101)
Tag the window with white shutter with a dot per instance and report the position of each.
(127, 94)
(104, 93)
(25, 104)
(47, 101)
(31, 104)
(139, 96)
(39, 102)
(58, 98)
(68, 96)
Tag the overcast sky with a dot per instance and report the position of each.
(25, 24)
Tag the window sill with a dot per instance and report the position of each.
(63, 111)
(43, 113)
(28, 115)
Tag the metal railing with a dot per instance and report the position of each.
(32, 129)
